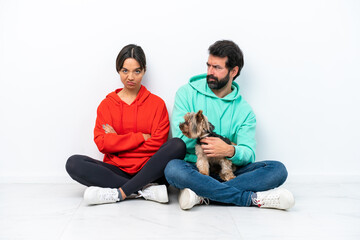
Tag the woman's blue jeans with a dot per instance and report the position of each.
(254, 177)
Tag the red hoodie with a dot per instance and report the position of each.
(128, 149)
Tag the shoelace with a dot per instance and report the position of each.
(205, 201)
(108, 195)
(146, 193)
(269, 200)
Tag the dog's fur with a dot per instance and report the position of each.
(197, 126)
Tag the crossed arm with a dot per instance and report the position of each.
(109, 129)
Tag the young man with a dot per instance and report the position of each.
(218, 96)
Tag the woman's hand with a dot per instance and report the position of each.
(146, 136)
(108, 129)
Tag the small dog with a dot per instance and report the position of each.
(197, 126)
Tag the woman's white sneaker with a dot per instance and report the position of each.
(154, 192)
(279, 198)
(99, 195)
(188, 199)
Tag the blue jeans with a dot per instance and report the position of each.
(254, 177)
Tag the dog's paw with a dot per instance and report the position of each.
(204, 172)
(227, 176)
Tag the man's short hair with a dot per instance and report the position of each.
(229, 49)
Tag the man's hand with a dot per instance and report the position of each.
(215, 147)
(108, 129)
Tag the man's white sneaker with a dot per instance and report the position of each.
(99, 195)
(279, 198)
(188, 199)
(154, 192)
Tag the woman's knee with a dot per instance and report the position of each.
(178, 144)
(178, 147)
(72, 164)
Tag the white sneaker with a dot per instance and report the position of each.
(279, 198)
(188, 199)
(154, 192)
(99, 195)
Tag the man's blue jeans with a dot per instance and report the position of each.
(254, 177)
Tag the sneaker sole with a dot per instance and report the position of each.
(163, 196)
(290, 199)
(185, 198)
(89, 192)
(87, 196)
(285, 194)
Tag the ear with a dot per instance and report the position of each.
(234, 71)
(199, 116)
(211, 127)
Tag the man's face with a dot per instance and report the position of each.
(217, 74)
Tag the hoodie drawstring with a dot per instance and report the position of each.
(136, 114)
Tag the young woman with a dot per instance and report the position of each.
(131, 129)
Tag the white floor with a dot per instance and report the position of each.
(323, 210)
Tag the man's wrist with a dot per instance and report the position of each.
(231, 151)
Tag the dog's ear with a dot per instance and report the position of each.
(199, 116)
(186, 116)
(212, 127)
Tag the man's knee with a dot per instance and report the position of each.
(173, 170)
(170, 168)
(281, 171)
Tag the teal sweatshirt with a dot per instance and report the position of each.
(231, 115)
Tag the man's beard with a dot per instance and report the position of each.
(217, 84)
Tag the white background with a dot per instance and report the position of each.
(301, 74)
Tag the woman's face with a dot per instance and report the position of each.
(131, 74)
